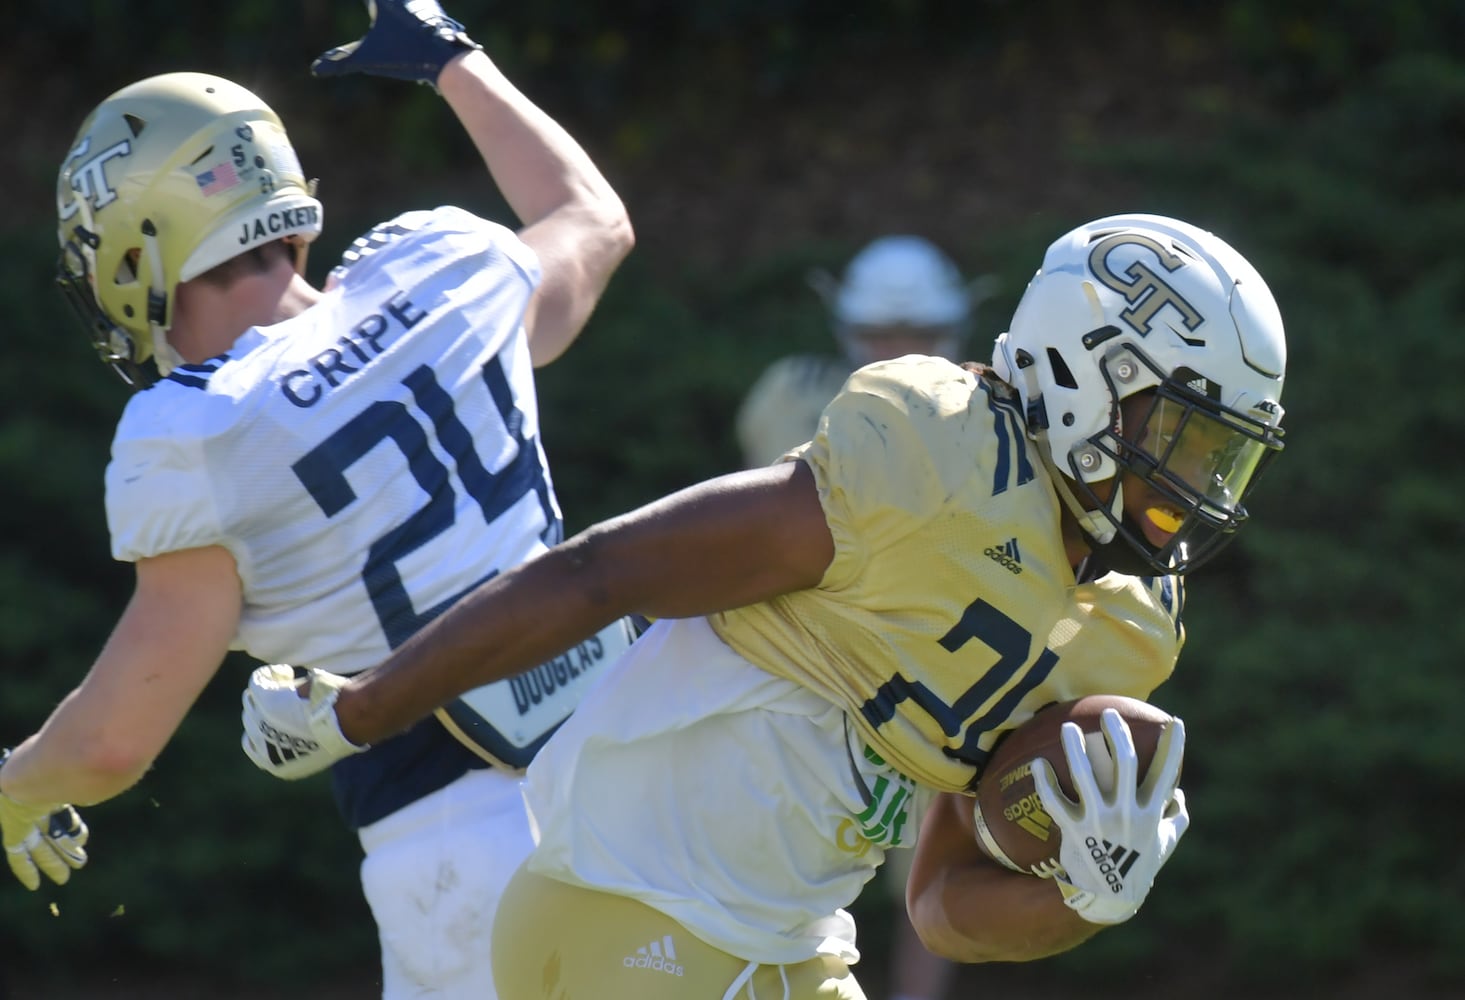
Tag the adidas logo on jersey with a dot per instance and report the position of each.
(1007, 556)
(659, 956)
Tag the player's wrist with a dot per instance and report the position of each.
(1092, 907)
(352, 719)
(11, 800)
(325, 720)
(462, 73)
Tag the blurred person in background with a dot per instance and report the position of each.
(312, 475)
(899, 295)
(844, 636)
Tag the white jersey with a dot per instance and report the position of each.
(367, 461)
(359, 445)
(736, 802)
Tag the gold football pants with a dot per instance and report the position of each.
(554, 941)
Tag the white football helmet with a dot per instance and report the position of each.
(1132, 303)
(902, 288)
(168, 178)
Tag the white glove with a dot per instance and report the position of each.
(50, 839)
(1113, 845)
(290, 727)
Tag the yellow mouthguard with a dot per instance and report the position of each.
(1163, 520)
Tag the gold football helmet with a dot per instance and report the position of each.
(168, 178)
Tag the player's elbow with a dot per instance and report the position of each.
(960, 925)
(944, 939)
(108, 767)
(974, 946)
(604, 235)
(620, 235)
(978, 949)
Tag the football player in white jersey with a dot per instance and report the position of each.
(314, 474)
(843, 636)
(899, 295)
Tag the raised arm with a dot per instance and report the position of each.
(570, 215)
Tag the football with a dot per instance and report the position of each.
(1013, 828)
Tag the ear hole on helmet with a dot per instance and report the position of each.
(127, 268)
(135, 123)
(1062, 375)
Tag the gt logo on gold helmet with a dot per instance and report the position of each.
(168, 178)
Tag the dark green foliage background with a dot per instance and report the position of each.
(1320, 678)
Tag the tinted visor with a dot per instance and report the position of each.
(1208, 456)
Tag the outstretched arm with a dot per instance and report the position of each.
(721, 544)
(105, 734)
(163, 651)
(571, 216)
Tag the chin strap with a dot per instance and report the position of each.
(163, 354)
(1097, 524)
(1094, 523)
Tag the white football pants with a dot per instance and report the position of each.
(433, 874)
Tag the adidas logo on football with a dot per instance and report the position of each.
(658, 956)
(1006, 556)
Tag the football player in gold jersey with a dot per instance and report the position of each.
(899, 295)
(842, 638)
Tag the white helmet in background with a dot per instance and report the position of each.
(1132, 303)
(168, 178)
(899, 290)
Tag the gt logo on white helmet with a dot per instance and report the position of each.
(90, 179)
(1146, 292)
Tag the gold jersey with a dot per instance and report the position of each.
(949, 613)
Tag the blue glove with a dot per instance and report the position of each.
(407, 40)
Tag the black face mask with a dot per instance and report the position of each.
(107, 338)
(1119, 555)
